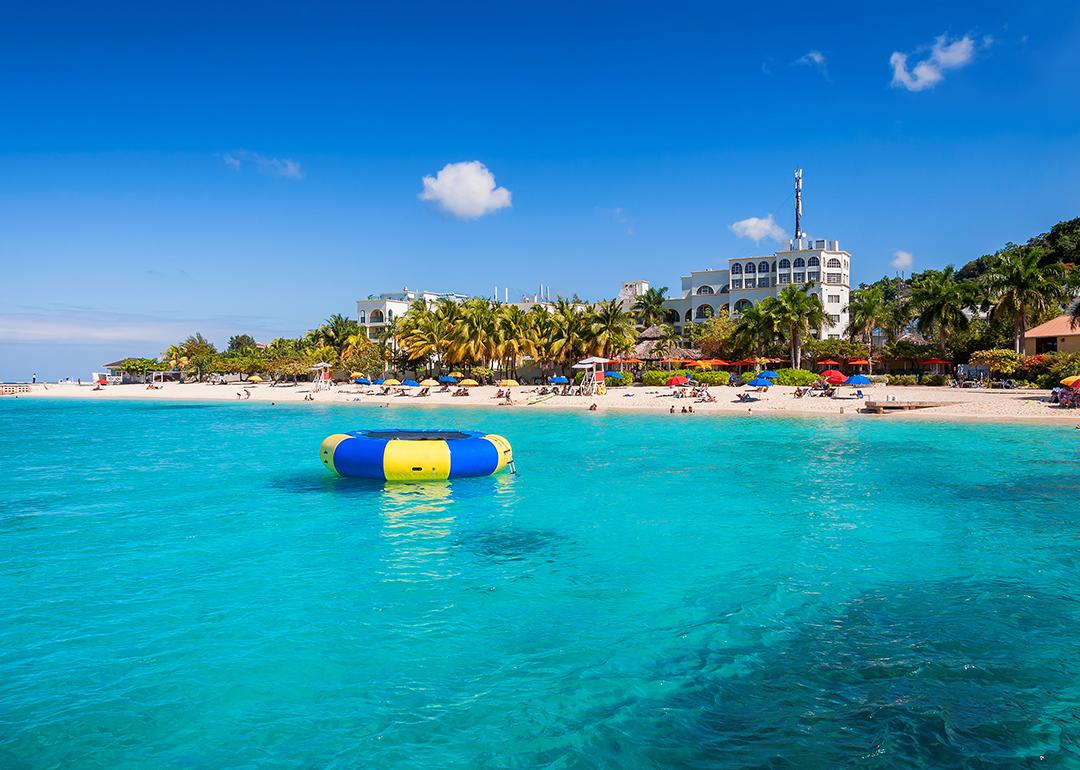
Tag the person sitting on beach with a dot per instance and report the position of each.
(499, 394)
(745, 397)
(672, 409)
(424, 392)
(384, 390)
(683, 410)
(690, 409)
(592, 407)
(859, 393)
(799, 392)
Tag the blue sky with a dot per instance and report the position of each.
(255, 167)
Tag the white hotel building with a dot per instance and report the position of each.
(748, 280)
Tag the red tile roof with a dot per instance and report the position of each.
(1056, 327)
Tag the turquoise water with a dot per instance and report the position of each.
(184, 586)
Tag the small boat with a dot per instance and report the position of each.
(412, 455)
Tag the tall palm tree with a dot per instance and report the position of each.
(867, 311)
(798, 312)
(514, 337)
(940, 304)
(650, 306)
(335, 330)
(611, 329)
(759, 326)
(1021, 289)
(570, 332)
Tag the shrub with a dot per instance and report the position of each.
(624, 379)
(934, 379)
(654, 378)
(900, 379)
(998, 361)
(800, 377)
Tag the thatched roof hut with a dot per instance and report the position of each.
(652, 346)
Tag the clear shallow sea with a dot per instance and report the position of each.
(184, 586)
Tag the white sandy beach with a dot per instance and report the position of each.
(958, 405)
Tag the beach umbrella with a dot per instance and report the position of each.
(760, 382)
(362, 381)
(456, 374)
(354, 375)
(448, 378)
(1071, 382)
(935, 361)
(558, 380)
(255, 378)
(857, 362)
(857, 379)
(833, 373)
(429, 383)
(410, 383)
(468, 383)
(391, 381)
(769, 375)
(678, 380)
(612, 374)
(379, 381)
(508, 383)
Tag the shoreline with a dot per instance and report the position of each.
(959, 406)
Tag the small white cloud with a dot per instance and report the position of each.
(814, 59)
(902, 260)
(466, 190)
(619, 216)
(287, 168)
(758, 229)
(943, 55)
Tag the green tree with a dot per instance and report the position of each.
(941, 303)
(241, 342)
(799, 311)
(1022, 288)
(649, 307)
(610, 329)
(758, 327)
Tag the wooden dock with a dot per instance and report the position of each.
(881, 407)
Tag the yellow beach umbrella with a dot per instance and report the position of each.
(429, 383)
(354, 375)
(456, 374)
(391, 381)
(508, 383)
(468, 383)
(254, 378)
(1071, 382)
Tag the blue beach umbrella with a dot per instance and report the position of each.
(379, 381)
(612, 374)
(857, 379)
(411, 383)
(559, 380)
(362, 381)
(771, 375)
(760, 382)
(448, 379)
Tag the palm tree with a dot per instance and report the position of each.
(798, 311)
(335, 331)
(759, 326)
(610, 329)
(514, 337)
(1021, 289)
(570, 333)
(940, 304)
(650, 306)
(867, 311)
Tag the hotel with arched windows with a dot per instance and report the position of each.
(748, 280)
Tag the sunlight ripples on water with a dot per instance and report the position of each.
(185, 586)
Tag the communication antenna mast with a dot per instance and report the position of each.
(798, 203)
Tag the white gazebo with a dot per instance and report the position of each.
(592, 384)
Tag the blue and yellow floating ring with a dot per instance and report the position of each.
(410, 455)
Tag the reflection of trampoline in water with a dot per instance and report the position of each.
(416, 455)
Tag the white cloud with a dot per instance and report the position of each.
(757, 229)
(466, 190)
(814, 59)
(902, 260)
(287, 168)
(943, 55)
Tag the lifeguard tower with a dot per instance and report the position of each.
(592, 384)
(322, 377)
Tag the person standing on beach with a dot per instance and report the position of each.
(33, 380)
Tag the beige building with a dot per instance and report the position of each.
(1056, 335)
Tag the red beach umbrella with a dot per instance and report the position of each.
(678, 380)
(828, 362)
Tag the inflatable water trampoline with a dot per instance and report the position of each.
(409, 455)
